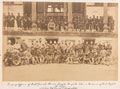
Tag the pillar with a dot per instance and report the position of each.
(69, 12)
(33, 14)
(44, 9)
(106, 17)
(65, 11)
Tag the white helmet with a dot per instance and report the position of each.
(50, 42)
(54, 42)
(9, 41)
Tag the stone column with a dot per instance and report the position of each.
(69, 12)
(106, 17)
(65, 11)
(33, 14)
(44, 9)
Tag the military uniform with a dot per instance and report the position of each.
(12, 20)
(19, 21)
(24, 19)
(29, 23)
(8, 17)
(51, 26)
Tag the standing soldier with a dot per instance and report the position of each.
(90, 24)
(93, 22)
(39, 24)
(8, 20)
(111, 23)
(86, 27)
(96, 24)
(4, 21)
(12, 21)
(24, 19)
(19, 19)
(101, 24)
(29, 22)
(51, 25)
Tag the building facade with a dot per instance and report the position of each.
(65, 11)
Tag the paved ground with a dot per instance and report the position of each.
(60, 72)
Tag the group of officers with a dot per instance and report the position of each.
(64, 52)
(24, 22)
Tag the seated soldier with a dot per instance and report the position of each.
(51, 25)
(8, 54)
(17, 47)
(9, 49)
(103, 55)
(27, 55)
(9, 46)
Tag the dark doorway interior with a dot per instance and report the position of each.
(89, 41)
(28, 8)
(52, 40)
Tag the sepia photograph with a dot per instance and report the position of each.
(60, 41)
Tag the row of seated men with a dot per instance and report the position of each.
(64, 52)
(58, 23)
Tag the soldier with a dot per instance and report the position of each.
(8, 17)
(17, 46)
(75, 23)
(91, 46)
(56, 52)
(65, 26)
(111, 23)
(28, 56)
(12, 21)
(29, 22)
(51, 25)
(101, 24)
(19, 21)
(80, 24)
(23, 46)
(93, 22)
(62, 27)
(39, 23)
(37, 51)
(103, 55)
(9, 46)
(16, 54)
(96, 24)
(70, 27)
(24, 19)
(33, 53)
(90, 24)
(86, 52)
(4, 21)
(91, 54)
(8, 55)
(58, 23)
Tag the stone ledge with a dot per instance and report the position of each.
(58, 33)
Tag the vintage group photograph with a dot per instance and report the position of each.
(60, 41)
